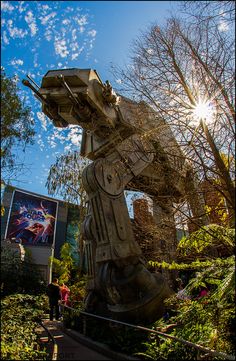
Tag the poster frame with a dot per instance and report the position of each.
(52, 246)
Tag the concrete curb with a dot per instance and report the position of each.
(97, 346)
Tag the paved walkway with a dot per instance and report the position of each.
(68, 348)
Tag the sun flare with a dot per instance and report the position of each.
(203, 110)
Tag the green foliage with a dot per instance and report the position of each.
(65, 265)
(17, 275)
(67, 270)
(212, 235)
(73, 231)
(197, 246)
(195, 265)
(19, 315)
(17, 125)
(64, 177)
(77, 292)
(209, 321)
(219, 277)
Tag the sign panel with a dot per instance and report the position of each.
(32, 219)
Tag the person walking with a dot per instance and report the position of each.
(65, 291)
(54, 295)
(204, 292)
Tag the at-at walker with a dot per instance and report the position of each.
(130, 148)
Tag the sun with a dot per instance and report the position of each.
(203, 110)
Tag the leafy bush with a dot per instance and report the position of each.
(65, 266)
(208, 237)
(77, 292)
(19, 315)
(19, 276)
(209, 321)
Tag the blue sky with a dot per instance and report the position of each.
(42, 35)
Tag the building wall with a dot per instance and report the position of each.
(60, 236)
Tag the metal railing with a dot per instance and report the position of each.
(50, 337)
(200, 348)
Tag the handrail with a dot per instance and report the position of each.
(185, 342)
(50, 335)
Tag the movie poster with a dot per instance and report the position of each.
(32, 220)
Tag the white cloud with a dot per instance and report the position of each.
(81, 29)
(67, 148)
(52, 143)
(31, 75)
(20, 7)
(83, 20)
(33, 28)
(17, 33)
(5, 38)
(40, 142)
(58, 136)
(75, 135)
(48, 34)
(60, 47)
(74, 56)
(16, 79)
(66, 22)
(14, 31)
(73, 34)
(17, 62)
(45, 19)
(92, 33)
(6, 6)
(59, 64)
(30, 19)
(118, 81)
(74, 46)
(69, 9)
(43, 119)
(55, 154)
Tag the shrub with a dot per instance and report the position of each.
(19, 316)
(19, 276)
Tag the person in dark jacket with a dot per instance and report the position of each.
(54, 295)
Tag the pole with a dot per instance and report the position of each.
(51, 265)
